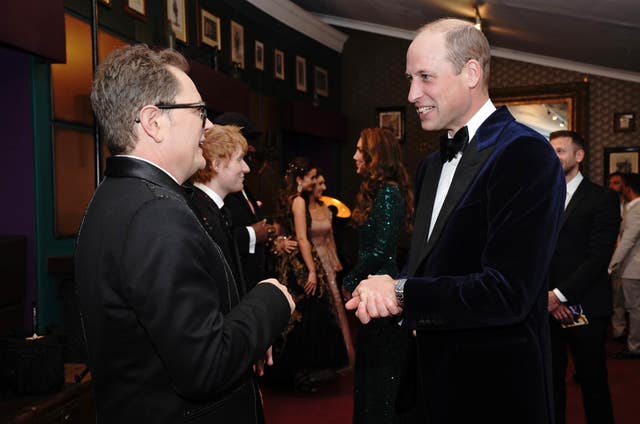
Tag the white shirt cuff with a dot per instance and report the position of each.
(560, 296)
(252, 239)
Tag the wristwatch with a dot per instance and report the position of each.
(399, 289)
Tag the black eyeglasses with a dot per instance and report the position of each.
(200, 105)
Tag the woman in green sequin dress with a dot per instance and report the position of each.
(384, 206)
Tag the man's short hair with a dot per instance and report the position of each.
(463, 42)
(614, 174)
(130, 78)
(220, 142)
(574, 136)
(632, 180)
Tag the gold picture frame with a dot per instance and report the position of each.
(137, 8)
(301, 73)
(259, 55)
(210, 29)
(321, 81)
(237, 44)
(176, 14)
(278, 64)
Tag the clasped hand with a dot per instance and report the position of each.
(374, 297)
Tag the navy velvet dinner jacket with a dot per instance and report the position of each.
(477, 289)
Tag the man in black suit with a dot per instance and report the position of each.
(168, 337)
(578, 279)
(487, 218)
(250, 229)
(224, 149)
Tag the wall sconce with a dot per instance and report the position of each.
(476, 10)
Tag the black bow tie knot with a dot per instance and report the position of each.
(449, 147)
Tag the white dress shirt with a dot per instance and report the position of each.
(449, 168)
(219, 201)
(572, 186)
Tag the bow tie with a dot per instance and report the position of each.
(449, 147)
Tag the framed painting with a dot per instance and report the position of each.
(176, 14)
(278, 64)
(621, 159)
(237, 44)
(210, 30)
(623, 122)
(321, 81)
(301, 73)
(136, 8)
(393, 119)
(259, 55)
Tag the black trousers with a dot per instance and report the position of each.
(587, 346)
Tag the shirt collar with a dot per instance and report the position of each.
(150, 163)
(214, 196)
(572, 185)
(479, 117)
(631, 203)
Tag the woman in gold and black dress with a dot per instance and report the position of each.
(312, 345)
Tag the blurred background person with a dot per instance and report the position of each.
(384, 205)
(619, 317)
(250, 229)
(625, 263)
(223, 149)
(312, 346)
(325, 245)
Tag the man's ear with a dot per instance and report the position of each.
(579, 155)
(473, 73)
(152, 122)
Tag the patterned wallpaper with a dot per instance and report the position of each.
(606, 97)
(374, 77)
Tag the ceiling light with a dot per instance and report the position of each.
(476, 9)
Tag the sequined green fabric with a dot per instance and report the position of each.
(378, 237)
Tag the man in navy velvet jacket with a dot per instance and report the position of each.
(486, 222)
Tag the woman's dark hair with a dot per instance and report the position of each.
(383, 166)
(298, 167)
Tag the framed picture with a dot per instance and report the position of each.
(625, 121)
(393, 119)
(321, 81)
(278, 64)
(301, 73)
(135, 7)
(259, 55)
(176, 14)
(237, 44)
(621, 159)
(210, 30)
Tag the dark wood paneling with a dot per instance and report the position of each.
(35, 26)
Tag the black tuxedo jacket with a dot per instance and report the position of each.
(476, 290)
(254, 264)
(168, 337)
(587, 238)
(211, 218)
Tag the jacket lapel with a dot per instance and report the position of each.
(472, 161)
(575, 200)
(429, 186)
(470, 164)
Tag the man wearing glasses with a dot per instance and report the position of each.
(168, 337)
